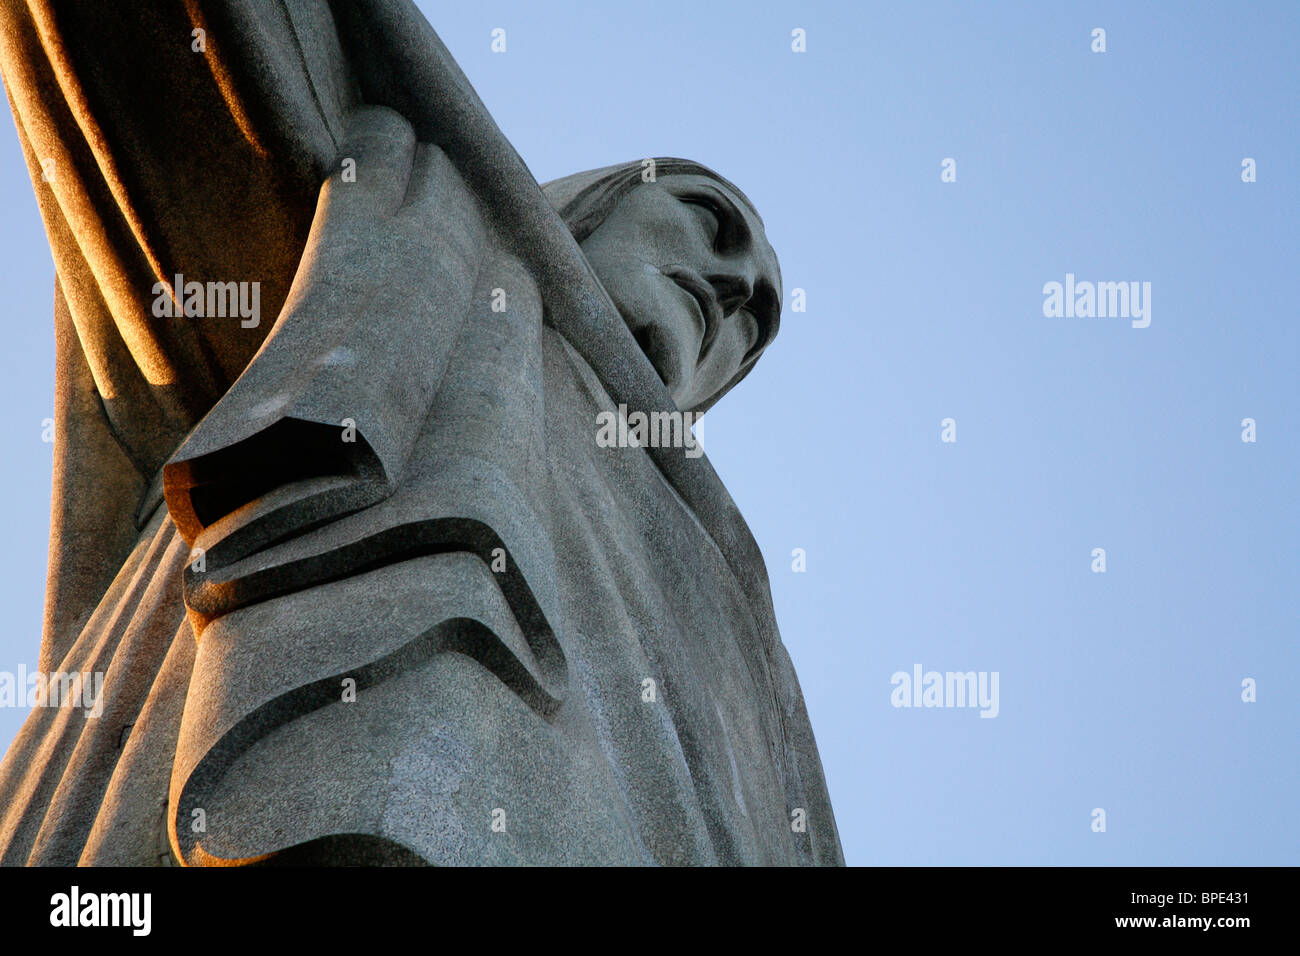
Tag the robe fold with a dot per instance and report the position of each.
(432, 620)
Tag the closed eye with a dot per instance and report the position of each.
(708, 213)
(724, 222)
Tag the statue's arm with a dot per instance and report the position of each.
(388, 278)
(156, 150)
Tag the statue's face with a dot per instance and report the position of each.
(690, 269)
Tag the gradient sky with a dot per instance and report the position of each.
(1119, 690)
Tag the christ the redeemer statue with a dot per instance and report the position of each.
(376, 503)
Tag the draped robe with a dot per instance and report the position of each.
(557, 653)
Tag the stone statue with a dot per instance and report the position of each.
(376, 501)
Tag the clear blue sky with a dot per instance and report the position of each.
(1119, 690)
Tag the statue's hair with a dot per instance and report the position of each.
(585, 199)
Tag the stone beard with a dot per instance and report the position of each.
(430, 569)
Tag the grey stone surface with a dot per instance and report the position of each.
(562, 652)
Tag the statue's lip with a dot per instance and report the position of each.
(705, 297)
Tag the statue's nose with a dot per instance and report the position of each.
(733, 291)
